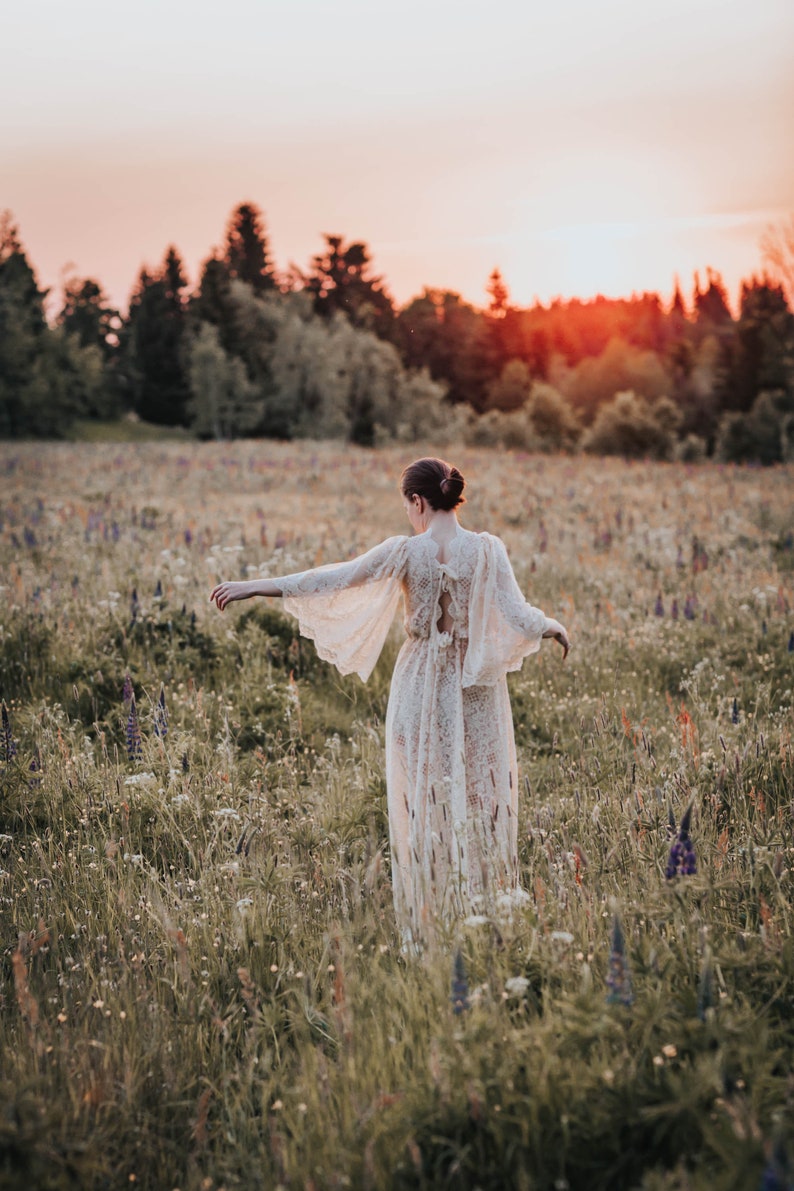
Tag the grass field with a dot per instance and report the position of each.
(201, 981)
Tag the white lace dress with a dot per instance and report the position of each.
(450, 752)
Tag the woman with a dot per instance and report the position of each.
(451, 770)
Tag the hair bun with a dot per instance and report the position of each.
(445, 484)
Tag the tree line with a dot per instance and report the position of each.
(326, 352)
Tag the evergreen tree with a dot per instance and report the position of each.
(212, 303)
(762, 347)
(710, 305)
(340, 280)
(499, 294)
(246, 252)
(153, 351)
(47, 377)
(23, 331)
(85, 313)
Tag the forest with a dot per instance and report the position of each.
(325, 352)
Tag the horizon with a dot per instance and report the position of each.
(582, 153)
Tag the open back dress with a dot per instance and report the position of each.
(451, 772)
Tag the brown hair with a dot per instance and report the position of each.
(438, 482)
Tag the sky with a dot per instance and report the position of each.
(581, 148)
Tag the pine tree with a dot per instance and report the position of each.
(86, 314)
(153, 347)
(340, 280)
(499, 294)
(246, 252)
(22, 331)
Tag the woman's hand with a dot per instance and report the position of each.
(225, 593)
(558, 632)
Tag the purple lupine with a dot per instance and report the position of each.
(185, 763)
(161, 715)
(791, 642)
(8, 748)
(460, 985)
(674, 610)
(126, 690)
(134, 744)
(158, 591)
(618, 975)
(134, 605)
(658, 609)
(690, 605)
(735, 712)
(682, 860)
(35, 770)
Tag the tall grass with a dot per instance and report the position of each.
(202, 985)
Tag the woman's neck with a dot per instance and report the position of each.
(441, 523)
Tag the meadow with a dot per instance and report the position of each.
(201, 983)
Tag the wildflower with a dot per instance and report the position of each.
(618, 976)
(516, 986)
(689, 607)
(735, 712)
(674, 610)
(185, 763)
(158, 591)
(659, 606)
(126, 690)
(8, 748)
(460, 985)
(35, 769)
(682, 860)
(139, 779)
(476, 920)
(134, 606)
(161, 715)
(134, 745)
(791, 642)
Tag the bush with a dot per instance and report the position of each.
(633, 427)
(762, 435)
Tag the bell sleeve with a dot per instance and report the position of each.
(503, 627)
(347, 608)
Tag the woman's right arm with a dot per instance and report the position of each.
(226, 593)
(377, 563)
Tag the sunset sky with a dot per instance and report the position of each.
(582, 147)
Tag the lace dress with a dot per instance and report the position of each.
(450, 752)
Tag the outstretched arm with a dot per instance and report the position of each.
(377, 563)
(226, 593)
